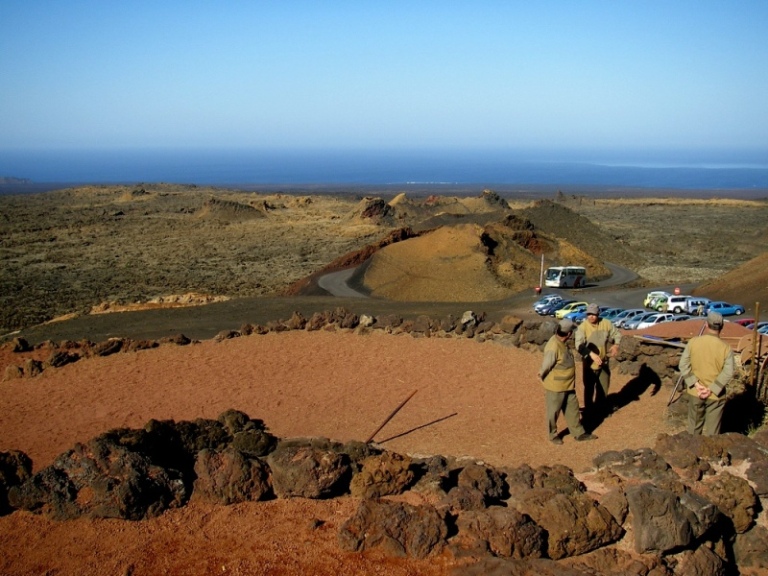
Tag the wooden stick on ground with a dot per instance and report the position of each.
(392, 415)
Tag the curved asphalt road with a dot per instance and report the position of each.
(335, 283)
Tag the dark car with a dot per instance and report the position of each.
(555, 306)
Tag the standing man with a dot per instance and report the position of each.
(707, 366)
(593, 338)
(558, 375)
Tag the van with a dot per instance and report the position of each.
(677, 304)
(651, 295)
(695, 305)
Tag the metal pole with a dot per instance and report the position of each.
(392, 415)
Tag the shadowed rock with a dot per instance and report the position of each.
(396, 528)
(101, 480)
(15, 469)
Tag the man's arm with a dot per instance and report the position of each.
(549, 361)
(685, 368)
(725, 376)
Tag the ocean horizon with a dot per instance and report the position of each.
(745, 171)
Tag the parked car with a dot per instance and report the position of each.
(632, 323)
(651, 295)
(746, 322)
(611, 313)
(621, 317)
(763, 330)
(677, 304)
(559, 314)
(696, 304)
(760, 325)
(577, 314)
(724, 308)
(682, 317)
(554, 306)
(581, 314)
(545, 302)
(654, 319)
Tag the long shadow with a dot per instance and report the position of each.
(417, 428)
(646, 379)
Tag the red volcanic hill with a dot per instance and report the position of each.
(744, 285)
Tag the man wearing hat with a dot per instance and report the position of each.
(558, 375)
(593, 338)
(707, 365)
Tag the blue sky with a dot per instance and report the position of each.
(357, 74)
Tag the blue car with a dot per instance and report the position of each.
(545, 302)
(554, 307)
(580, 315)
(724, 308)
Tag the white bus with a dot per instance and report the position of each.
(566, 277)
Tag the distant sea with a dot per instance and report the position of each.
(739, 173)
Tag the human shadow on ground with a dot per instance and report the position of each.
(646, 379)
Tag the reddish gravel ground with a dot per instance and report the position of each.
(480, 400)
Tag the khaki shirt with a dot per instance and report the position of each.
(708, 360)
(598, 335)
(558, 369)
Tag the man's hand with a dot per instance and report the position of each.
(614, 350)
(596, 358)
(702, 391)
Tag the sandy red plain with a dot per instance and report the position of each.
(473, 399)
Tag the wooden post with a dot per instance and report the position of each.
(755, 336)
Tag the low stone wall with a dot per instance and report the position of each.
(691, 505)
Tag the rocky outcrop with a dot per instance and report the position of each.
(688, 506)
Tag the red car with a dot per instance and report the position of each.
(744, 321)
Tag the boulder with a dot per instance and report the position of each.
(700, 561)
(643, 465)
(751, 548)
(15, 469)
(382, 475)
(733, 496)
(499, 531)
(101, 479)
(397, 528)
(306, 471)
(662, 521)
(575, 523)
(230, 476)
(484, 479)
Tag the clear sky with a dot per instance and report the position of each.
(389, 74)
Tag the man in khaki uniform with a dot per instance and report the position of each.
(558, 375)
(707, 365)
(593, 338)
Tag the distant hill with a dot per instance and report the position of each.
(744, 285)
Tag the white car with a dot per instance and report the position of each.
(655, 319)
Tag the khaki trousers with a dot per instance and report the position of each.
(568, 404)
(705, 416)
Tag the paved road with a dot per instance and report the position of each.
(335, 284)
